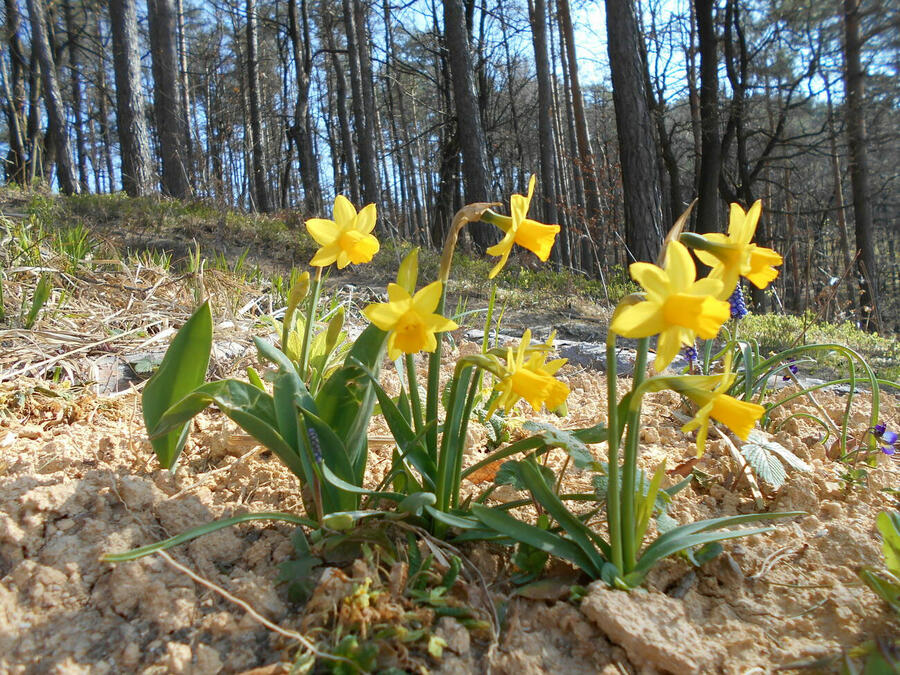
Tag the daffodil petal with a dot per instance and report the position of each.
(344, 211)
(426, 299)
(641, 320)
(396, 293)
(650, 277)
(668, 344)
(383, 314)
(365, 220)
(322, 231)
(325, 256)
(537, 237)
(679, 266)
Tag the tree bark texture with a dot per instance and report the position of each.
(52, 99)
(710, 147)
(470, 132)
(14, 85)
(260, 180)
(171, 127)
(133, 138)
(637, 151)
(854, 86)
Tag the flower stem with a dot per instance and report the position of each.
(414, 398)
(310, 320)
(629, 466)
(613, 496)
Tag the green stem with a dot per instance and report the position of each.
(414, 398)
(613, 497)
(474, 387)
(310, 320)
(629, 467)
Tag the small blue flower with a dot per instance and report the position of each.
(690, 353)
(888, 450)
(738, 306)
(889, 437)
(879, 429)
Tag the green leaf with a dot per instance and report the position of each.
(578, 531)
(253, 410)
(697, 533)
(888, 589)
(510, 474)
(534, 536)
(765, 463)
(183, 369)
(347, 399)
(762, 438)
(889, 525)
(557, 438)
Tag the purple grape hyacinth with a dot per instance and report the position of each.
(738, 306)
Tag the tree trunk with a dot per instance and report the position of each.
(75, 78)
(301, 131)
(470, 133)
(637, 151)
(365, 127)
(14, 85)
(260, 179)
(171, 127)
(132, 125)
(859, 165)
(52, 99)
(710, 148)
(538, 15)
(585, 152)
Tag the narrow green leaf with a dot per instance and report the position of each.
(888, 524)
(577, 530)
(557, 438)
(711, 524)
(136, 553)
(183, 369)
(553, 544)
(676, 543)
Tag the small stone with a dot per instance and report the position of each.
(831, 509)
(178, 657)
(454, 634)
(208, 661)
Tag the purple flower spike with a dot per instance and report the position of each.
(690, 353)
(889, 437)
(738, 306)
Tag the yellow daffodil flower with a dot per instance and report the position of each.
(536, 237)
(528, 375)
(410, 319)
(739, 416)
(678, 308)
(732, 255)
(346, 239)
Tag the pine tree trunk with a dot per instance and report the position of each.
(859, 164)
(546, 136)
(133, 137)
(260, 178)
(52, 99)
(14, 85)
(710, 148)
(75, 79)
(171, 127)
(637, 151)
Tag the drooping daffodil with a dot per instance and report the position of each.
(677, 308)
(519, 229)
(346, 239)
(708, 392)
(733, 255)
(528, 375)
(410, 319)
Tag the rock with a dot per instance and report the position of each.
(653, 629)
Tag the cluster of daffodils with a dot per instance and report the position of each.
(676, 307)
(412, 318)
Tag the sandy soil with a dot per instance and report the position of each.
(79, 480)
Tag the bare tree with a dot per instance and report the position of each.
(260, 180)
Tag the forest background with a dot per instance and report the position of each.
(421, 106)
